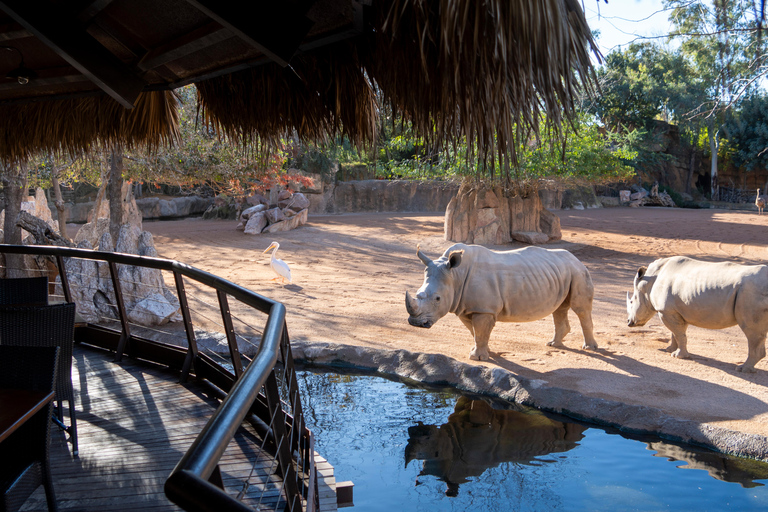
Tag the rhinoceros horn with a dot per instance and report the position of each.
(410, 304)
(422, 257)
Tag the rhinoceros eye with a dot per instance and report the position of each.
(437, 298)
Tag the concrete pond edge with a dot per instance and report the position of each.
(499, 383)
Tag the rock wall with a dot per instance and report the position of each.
(150, 207)
(481, 214)
(379, 196)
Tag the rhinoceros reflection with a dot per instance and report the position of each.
(478, 437)
(719, 466)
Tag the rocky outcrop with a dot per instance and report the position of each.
(147, 299)
(641, 197)
(291, 212)
(157, 208)
(480, 214)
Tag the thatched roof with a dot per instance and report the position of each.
(479, 69)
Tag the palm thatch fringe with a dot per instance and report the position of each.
(480, 71)
(74, 125)
(321, 94)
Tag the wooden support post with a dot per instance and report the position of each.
(64, 278)
(125, 335)
(186, 317)
(234, 352)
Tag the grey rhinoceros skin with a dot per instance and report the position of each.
(713, 295)
(483, 287)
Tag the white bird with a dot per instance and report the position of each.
(279, 266)
(759, 202)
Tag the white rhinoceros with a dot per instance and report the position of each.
(711, 295)
(482, 287)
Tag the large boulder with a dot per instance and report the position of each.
(286, 225)
(297, 202)
(256, 224)
(487, 215)
(275, 215)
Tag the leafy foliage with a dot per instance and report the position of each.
(748, 133)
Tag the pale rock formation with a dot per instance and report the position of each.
(147, 299)
(275, 215)
(286, 225)
(485, 215)
(256, 224)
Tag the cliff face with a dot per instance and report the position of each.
(675, 165)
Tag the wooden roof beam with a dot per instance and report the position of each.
(12, 31)
(274, 28)
(92, 9)
(60, 32)
(187, 44)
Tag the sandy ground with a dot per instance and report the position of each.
(350, 274)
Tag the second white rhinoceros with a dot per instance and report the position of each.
(482, 287)
(684, 292)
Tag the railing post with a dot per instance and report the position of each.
(186, 317)
(293, 388)
(125, 335)
(64, 278)
(285, 463)
(229, 329)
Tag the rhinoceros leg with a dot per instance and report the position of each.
(562, 327)
(756, 343)
(482, 325)
(582, 293)
(678, 326)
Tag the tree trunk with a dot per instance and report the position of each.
(15, 188)
(114, 193)
(59, 202)
(713, 147)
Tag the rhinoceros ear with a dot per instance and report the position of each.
(426, 261)
(454, 259)
(640, 274)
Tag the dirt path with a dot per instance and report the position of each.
(350, 274)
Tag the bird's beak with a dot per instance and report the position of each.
(268, 248)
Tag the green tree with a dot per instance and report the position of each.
(648, 82)
(747, 133)
(720, 39)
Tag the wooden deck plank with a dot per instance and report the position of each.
(135, 421)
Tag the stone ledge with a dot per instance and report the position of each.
(498, 382)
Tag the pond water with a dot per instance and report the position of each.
(413, 448)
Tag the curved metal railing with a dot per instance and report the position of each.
(261, 394)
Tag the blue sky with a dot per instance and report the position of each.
(622, 21)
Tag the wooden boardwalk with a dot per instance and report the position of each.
(135, 421)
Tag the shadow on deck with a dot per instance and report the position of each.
(135, 422)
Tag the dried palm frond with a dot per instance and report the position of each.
(480, 71)
(321, 94)
(76, 124)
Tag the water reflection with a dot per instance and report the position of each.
(478, 437)
(719, 466)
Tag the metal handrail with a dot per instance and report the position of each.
(190, 484)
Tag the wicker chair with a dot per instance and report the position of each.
(24, 455)
(46, 326)
(29, 291)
